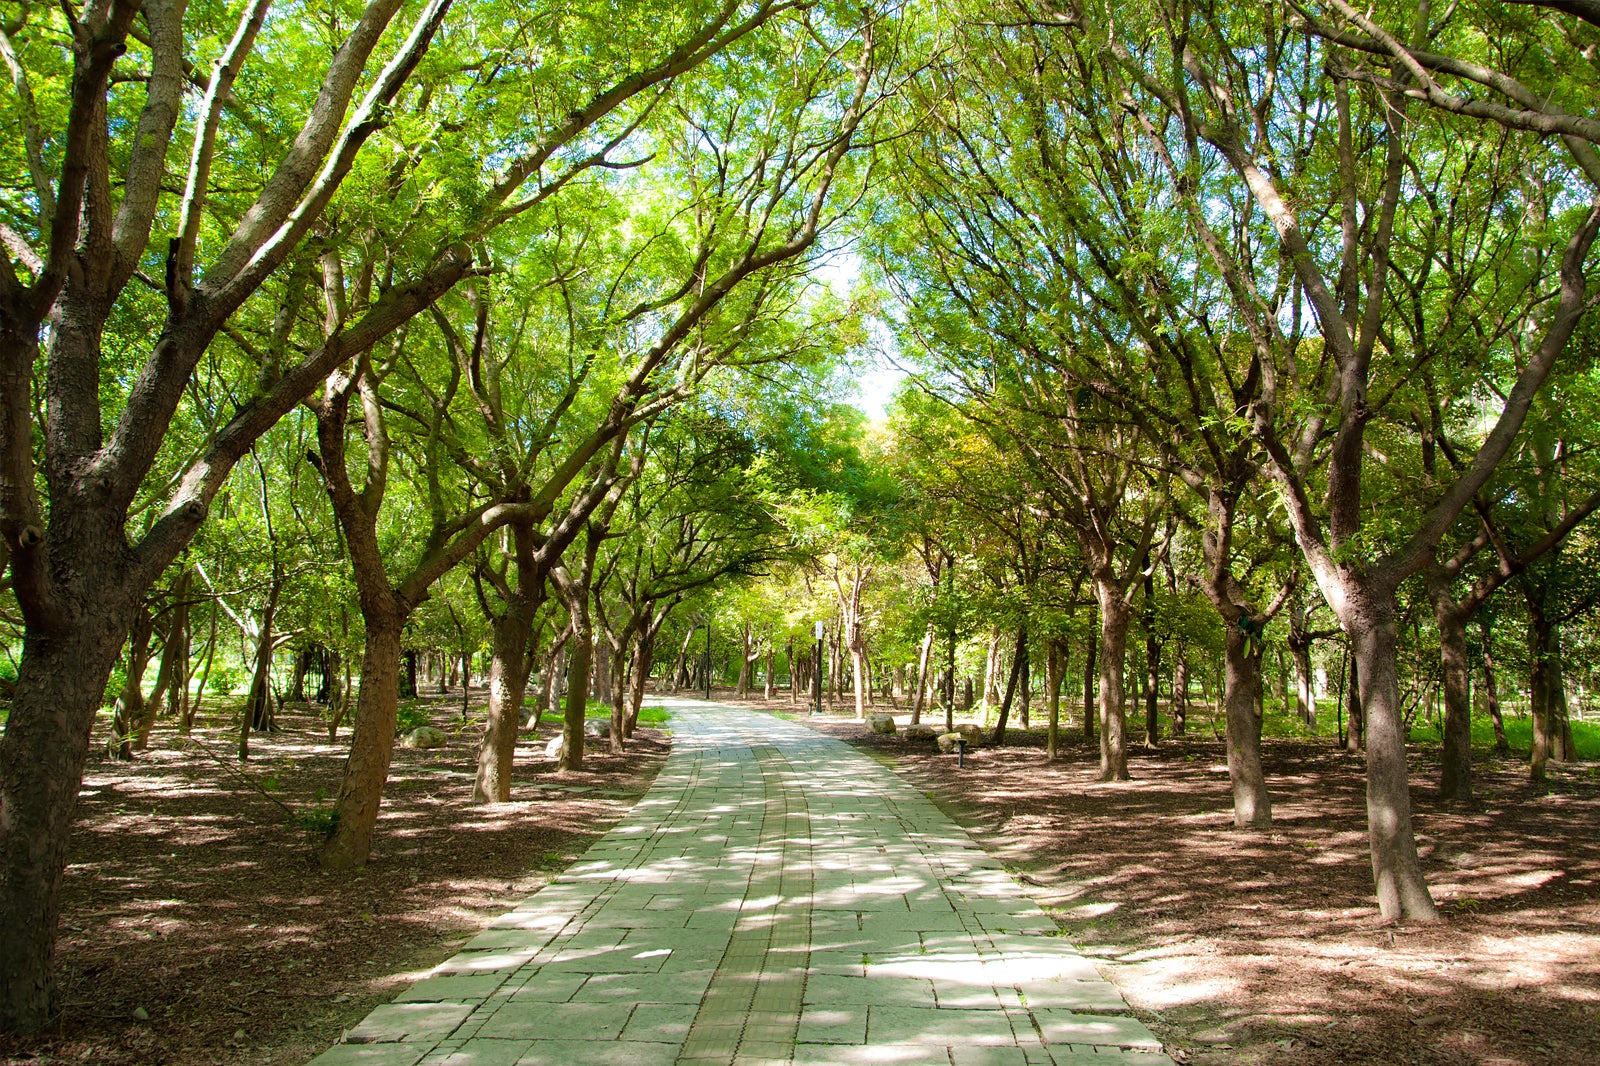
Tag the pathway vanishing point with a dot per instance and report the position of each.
(775, 898)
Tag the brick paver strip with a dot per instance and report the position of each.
(775, 898)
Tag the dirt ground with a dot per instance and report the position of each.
(1250, 947)
(197, 928)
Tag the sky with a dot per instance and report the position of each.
(875, 385)
(876, 376)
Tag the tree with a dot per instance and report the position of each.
(78, 571)
(1315, 417)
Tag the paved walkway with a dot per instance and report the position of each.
(774, 898)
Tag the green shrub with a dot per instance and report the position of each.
(114, 684)
(319, 821)
(226, 679)
(412, 715)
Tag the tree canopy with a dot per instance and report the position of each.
(343, 338)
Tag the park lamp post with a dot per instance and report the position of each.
(816, 631)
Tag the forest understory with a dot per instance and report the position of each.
(198, 930)
(1243, 947)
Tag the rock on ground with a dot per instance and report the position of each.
(426, 736)
(974, 734)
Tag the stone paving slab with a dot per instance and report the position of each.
(775, 898)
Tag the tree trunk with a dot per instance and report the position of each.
(129, 709)
(680, 669)
(60, 682)
(408, 680)
(547, 680)
(1018, 658)
(1092, 650)
(297, 679)
(991, 675)
(600, 670)
(794, 675)
(1114, 620)
(1491, 688)
(257, 713)
(190, 709)
(1546, 695)
(508, 680)
(1152, 659)
(371, 744)
(173, 672)
(577, 688)
(1396, 870)
(1252, 805)
(950, 683)
(616, 667)
(338, 693)
(1152, 689)
(1354, 736)
(1455, 777)
(1180, 693)
(1025, 689)
(643, 661)
(1305, 696)
(772, 656)
(743, 684)
(1283, 681)
(924, 657)
(858, 663)
(1054, 666)
(835, 669)
(1299, 643)
(181, 640)
(1552, 731)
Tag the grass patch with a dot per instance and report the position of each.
(647, 715)
(1519, 733)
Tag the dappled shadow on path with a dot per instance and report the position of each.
(815, 900)
(1265, 946)
(197, 928)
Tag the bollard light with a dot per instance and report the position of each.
(961, 751)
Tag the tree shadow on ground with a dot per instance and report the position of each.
(1243, 947)
(197, 928)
